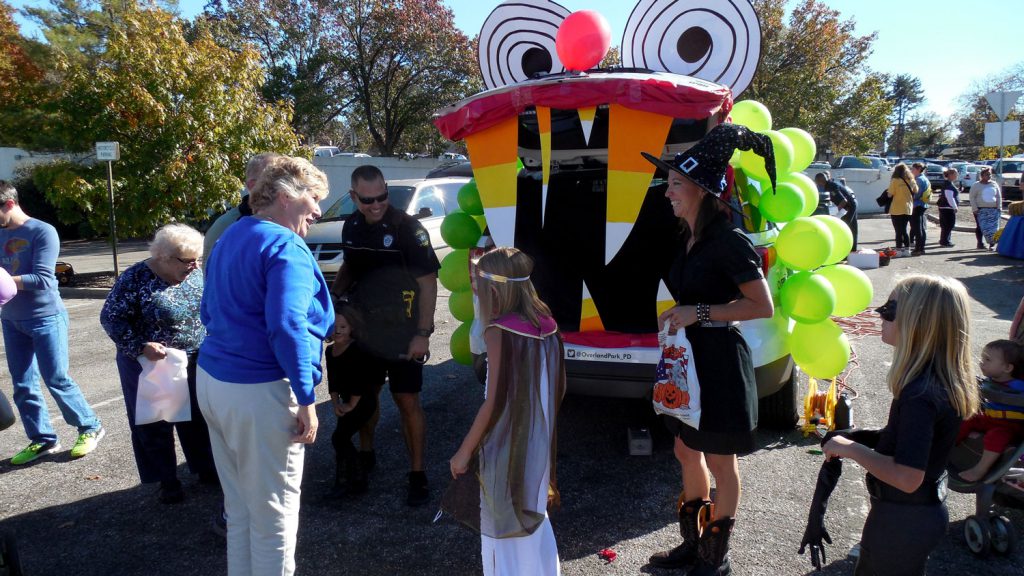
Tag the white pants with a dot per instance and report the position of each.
(260, 469)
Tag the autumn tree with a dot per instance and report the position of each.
(23, 117)
(906, 95)
(188, 116)
(813, 75)
(403, 59)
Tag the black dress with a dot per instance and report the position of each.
(711, 274)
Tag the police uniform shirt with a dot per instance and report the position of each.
(396, 240)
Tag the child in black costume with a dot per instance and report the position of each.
(353, 397)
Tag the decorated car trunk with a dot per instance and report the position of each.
(555, 146)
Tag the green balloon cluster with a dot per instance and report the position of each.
(807, 297)
(454, 273)
(842, 237)
(469, 199)
(821, 349)
(852, 287)
(460, 230)
(459, 345)
(461, 305)
(804, 243)
(784, 205)
(807, 188)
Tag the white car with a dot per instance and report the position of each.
(427, 199)
(969, 175)
(1007, 173)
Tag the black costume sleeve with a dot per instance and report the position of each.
(738, 258)
(915, 430)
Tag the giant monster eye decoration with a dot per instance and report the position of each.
(714, 40)
(517, 42)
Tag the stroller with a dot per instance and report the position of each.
(986, 531)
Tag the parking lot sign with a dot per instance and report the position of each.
(108, 151)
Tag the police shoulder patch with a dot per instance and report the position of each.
(422, 237)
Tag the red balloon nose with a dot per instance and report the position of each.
(583, 40)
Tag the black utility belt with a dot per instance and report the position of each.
(930, 492)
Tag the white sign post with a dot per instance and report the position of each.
(1001, 103)
(110, 152)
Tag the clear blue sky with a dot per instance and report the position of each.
(929, 39)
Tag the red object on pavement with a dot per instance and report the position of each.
(608, 555)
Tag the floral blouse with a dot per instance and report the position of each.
(142, 308)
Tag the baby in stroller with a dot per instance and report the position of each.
(990, 465)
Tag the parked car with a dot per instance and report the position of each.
(1007, 173)
(326, 151)
(968, 175)
(455, 168)
(819, 166)
(427, 199)
(451, 156)
(933, 172)
(864, 162)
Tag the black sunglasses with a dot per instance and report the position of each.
(887, 311)
(373, 199)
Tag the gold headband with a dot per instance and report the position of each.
(499, 277)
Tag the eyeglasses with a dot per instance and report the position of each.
(372, 199)
(188, 261)
(887, 311)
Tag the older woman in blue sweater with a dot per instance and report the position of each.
(267, 309)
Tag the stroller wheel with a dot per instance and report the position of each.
(978, 536)
(1004, 536)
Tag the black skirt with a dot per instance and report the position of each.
(728, 393)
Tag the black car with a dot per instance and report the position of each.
(933, 172)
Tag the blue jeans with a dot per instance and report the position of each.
(40, 347)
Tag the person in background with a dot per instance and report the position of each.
(253, 169)
(948, 203)
(35, 328)
(901, 189)
(918, 222)
(987, 206)
(153, 306)
(390, 275)
(927, 322)
(267, 310)
(843, 197)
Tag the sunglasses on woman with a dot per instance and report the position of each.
(373, 199)
(887, 311)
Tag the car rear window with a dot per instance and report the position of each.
(398, 196)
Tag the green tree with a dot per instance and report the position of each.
(928, 133)
(906, 95)
(188, 116)
(813, 75)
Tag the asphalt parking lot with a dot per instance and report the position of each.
(91, 516)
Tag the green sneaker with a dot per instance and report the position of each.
(35, 450)
(87, 443)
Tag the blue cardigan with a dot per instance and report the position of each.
(266, 308)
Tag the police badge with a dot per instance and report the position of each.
(388, 240)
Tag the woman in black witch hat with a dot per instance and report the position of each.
(716, 280)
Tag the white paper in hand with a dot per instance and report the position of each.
(163, 389)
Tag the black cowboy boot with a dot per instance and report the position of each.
(691, 515)
(713, 549)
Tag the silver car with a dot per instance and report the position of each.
(427, 199)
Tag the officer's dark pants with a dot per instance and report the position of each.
(918, 228)
(898, 538)
(851, 220)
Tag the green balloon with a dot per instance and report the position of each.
(752, 114)
(460, 230)
(807, 187)
(804, 149)
(853, 289)
(821, 350)
(753, 164)
(454, 273)
(461, 305)
(842, 238)
(807, 297)
(469, 199)
(782, 205)
(459, 345)
(804, 244)
(734, 160)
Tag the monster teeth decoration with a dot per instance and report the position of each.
(590, 318)
(665, 299)
(544, 128)
(494, 152)
(587, 121)
(629, 133)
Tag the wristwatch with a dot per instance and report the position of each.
(425, 333)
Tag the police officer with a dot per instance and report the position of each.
(390, 275)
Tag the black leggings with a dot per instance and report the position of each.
(351, 423)
(898, 538)
(899, 224)
(947, 220)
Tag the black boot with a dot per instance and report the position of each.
(713, 550)
(338, 490)
(355, 477)
(685, 555)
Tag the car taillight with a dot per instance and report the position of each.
(768, 257)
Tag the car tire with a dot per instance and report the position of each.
(480, 368)
(779, 410)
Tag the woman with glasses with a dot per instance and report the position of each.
(153, 307)
(927, 322)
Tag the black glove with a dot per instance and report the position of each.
(868, 438)
(815, 535)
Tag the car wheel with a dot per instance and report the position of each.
(480, 368)
(779, 410)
